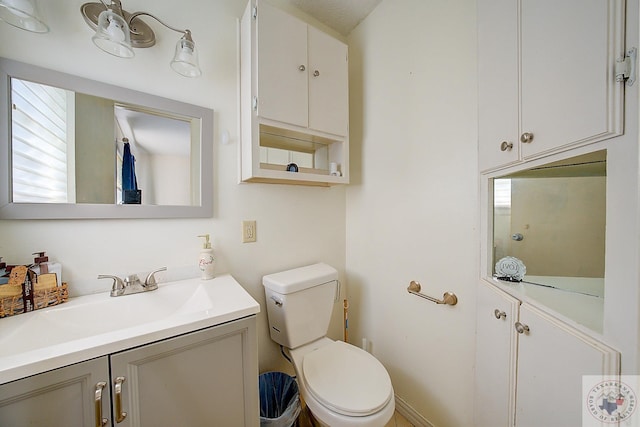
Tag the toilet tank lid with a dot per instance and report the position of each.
(297, 279)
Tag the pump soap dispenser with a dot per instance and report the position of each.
(205, 262)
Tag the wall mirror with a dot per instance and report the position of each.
(76, 148)
(553, 219)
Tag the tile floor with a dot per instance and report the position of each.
(305, 420)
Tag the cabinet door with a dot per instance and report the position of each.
(552, 358)
(569, 92)
(496, 350)
(64, 397)
(282, 66)
(497, 82)
(328, 83)
(205, 378)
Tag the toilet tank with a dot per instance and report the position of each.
(300, 303)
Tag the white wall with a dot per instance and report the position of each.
(295, 225)
(412, 205)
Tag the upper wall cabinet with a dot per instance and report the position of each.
(547, 78)
(294, 100)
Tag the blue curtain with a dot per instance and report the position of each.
(129, 181)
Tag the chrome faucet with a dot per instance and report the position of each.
(132, 284)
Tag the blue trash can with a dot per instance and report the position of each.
(279, 399)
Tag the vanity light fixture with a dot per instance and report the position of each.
(118, 32)
(23, 14)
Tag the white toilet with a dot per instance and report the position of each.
(341, 384)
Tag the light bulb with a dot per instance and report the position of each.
(115, 31)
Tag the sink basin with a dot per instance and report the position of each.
(94, 325)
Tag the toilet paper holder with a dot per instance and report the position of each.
(448, 298)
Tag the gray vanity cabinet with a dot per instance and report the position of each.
(64, 397)
(207, 377)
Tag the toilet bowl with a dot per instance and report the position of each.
(341, 384)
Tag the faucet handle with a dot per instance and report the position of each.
(150, 281)
(117, 288)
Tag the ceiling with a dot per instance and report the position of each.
(341, 15)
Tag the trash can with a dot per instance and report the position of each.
(279, 399)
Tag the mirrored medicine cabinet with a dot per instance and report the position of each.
(553, 219)
(63, 144)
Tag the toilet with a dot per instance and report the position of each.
(341, 384)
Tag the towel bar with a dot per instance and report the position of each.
(448, 298)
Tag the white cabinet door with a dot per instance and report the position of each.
(205, 378)
(65, 397)
(497, 82)
(328, 83)
(552, 358)
(496, 351)
(547, 68)
(282, 66)
(568, 52)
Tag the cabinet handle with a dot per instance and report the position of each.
(521, 328)
(120, 415)
(316, 73)
(506, 146)
(302, 68)
(100, 422)
(499, 314)
(526, 137)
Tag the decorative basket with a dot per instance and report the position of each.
(21, 296)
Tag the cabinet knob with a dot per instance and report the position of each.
(302, 68)
(526, 137)
(316, 73)
(499, 314)
(521, 328)
(506, 146)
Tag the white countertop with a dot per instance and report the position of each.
(580, 300)
(91, 326)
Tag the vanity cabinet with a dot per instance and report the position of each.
(547, 78)
(207, 377)
(529, 365)
(294, 98)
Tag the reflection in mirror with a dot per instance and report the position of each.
(48, 166)
(553, 219)
(62, 150)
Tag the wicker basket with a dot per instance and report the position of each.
(12, 300)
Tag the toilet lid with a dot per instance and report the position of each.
(346, 379)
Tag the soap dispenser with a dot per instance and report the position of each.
(205, 261)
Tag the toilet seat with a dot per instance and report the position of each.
(346, 379)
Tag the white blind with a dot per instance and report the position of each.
(502, 193)
(39, 143)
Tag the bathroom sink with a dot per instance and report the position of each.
(94, 325)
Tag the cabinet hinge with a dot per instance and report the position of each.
(255, 103)
(254, 12)
(626, 67)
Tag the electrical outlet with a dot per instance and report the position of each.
(248, 231)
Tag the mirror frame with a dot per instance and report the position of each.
(9, 210)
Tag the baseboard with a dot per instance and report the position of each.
(411, 414)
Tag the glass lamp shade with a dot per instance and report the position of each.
(23, 14)
(185, 60)
(112, 35)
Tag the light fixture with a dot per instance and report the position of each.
(118, 32)
(23, 14)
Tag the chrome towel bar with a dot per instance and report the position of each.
(448, 298)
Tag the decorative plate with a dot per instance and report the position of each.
(510, 268)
